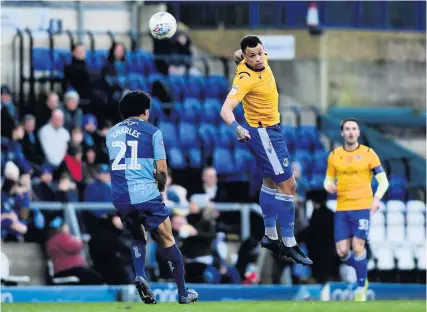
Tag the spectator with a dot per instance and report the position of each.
(54, 139)
(12, 150)
(302, 189)
(90, 124)
(319, 238)
(209, 190)
(174, 193)
(89, 166)
(76, 138)
(114, 68)
(67, 189)
(100, 136)
(181, 43)
(65, 251)
(30, 142)
(11, 203)
(73, 163)
(7, 103)
(44, 113)
(73, 116)
(76, 74)
(44, 190)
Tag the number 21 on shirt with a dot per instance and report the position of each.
(133, 158)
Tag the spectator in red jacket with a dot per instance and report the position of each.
(65, 251)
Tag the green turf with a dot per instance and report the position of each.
(269, 306)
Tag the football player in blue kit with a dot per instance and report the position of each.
(138, 177)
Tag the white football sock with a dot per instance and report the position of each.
(271, 233)
(289, 241)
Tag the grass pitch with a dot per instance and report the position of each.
(258, 306)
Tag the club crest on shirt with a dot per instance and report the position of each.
(286, 162)
(358, 157)
(234, 90)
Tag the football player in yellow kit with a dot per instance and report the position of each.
(254, 85)
(353, 166)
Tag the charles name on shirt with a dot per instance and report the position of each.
(126, 130)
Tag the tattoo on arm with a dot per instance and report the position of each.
(240, 132)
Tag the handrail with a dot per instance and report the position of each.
(70, 212)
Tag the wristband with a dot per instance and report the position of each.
(234, 125)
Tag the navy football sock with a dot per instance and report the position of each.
(349, 260)
(174, 258)
(361, 267)
(138, 257)
(286, 215)
(268, 203)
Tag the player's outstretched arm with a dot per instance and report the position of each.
(238, 56)
(228, 116)
(161, 174)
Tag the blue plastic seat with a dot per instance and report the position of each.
(317, 180)
(177, 86)
(290, 137)
(137, 82)
(226, 137)
(223, 161)
(188, 135)
(195, 157)
(190, 110)
(211, 110)
(245, 161)
(176, 158)
(239, 113)
(207, 133)
(216, 86)
(156, 111)
(398, 187)
(44, 60)
(304, 158)
(170, 136)
(304, 140)
(194, 86)
(320, 162)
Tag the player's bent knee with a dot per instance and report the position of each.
(342, 252)
(288, 187)
(358, 246)
(164, 234)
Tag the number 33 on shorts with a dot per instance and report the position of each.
(363, 224)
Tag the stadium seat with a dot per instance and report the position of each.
(176, 158)
(191, 110)
(216, 86)
(304, 158)
(44, 59)
(188, 135)
(225, 137)
(332, 205)
(378, 219)
(396, 205)
(223, 161)
(304, 141)
(170, 136)
(385, 258)
(416, 205)
(211, 109)
(396, 233)
(208, 133)
(290, 137)
(320, 162)
(377, 233)
(397, 188)
(415, 218)
(136, 82)
(245, 161)
(420, 255)
(177, 86)
(316, 181)
(194, 86)
(395, 219)
(156, 111)
(195, 157)
(405, 258)
(416, 234)
(371, 264)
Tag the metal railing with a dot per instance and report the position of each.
(71, 219)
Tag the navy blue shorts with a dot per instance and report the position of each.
(353, 223)
(150, 213)
(270, 151)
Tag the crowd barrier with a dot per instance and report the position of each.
(166, 292)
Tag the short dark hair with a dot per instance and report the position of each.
(249, 41)
(134, 103)
(348, 119)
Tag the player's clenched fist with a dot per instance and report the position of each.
(242, 134)
(331, 188)
(375, 205)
